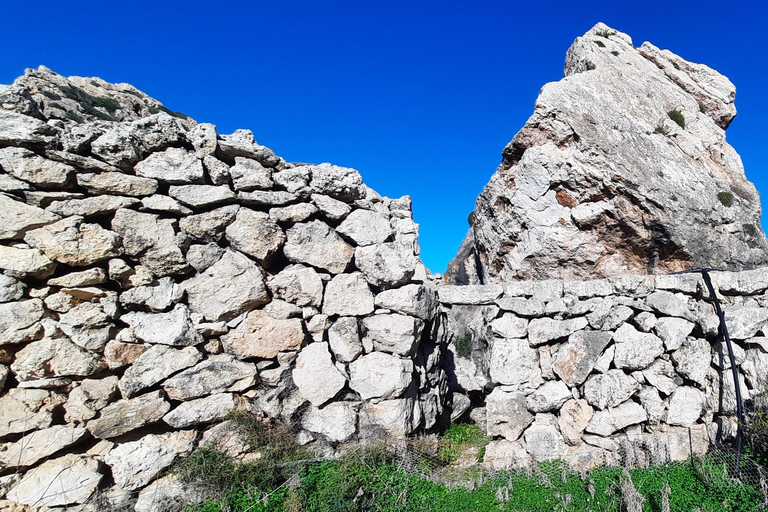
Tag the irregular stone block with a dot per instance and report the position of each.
(506, 414)
(576, 359)
(316, 244)
(395, 334)
(68, 480)
(124, 416)
(73, 242)
(216, 374)
(379, 375)
(261, 335)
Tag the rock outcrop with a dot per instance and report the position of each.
(622, 168)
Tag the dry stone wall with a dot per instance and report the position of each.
(157, 276)
(623, 370)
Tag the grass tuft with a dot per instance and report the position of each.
(725, 198)
(677, 117)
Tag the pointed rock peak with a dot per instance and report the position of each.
(623, 167)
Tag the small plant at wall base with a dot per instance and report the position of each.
(725, 198)
(464, 345)
(661, 129)
(677, 117)
(750, 229)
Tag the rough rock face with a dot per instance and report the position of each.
(622, 168)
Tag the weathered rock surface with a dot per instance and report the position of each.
(172, 328)
(216, 374)
(155, 365)
(316, 244)
(507, 414)
(126, 415)
(136, 463)
(336, 421)
(261, 335)
(68, 480)
(316, 376)
(73, 242)
(379, 375)
(393, 333)
(348, 295)
(548, 212)
(575, 361)
(201, 410)
(55, 357)
(227, 288)
(39, 445)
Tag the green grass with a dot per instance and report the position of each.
(464, 345)
(458, 438)
(372, 483)
(725, 198)
(750, 229)
(600, 44)
(677, 117)
(615, 53)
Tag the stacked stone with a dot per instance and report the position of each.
(157, 276)
(619, 370)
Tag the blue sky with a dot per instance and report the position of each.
(420, 97)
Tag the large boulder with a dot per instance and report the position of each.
(622, 168)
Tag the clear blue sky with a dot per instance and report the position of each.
(420, 97)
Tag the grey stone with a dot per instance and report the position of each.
(27, 166)
(393, 333)
(549, 397)
(509, 326)
(295, 179)
(209, 226)
(472, 294)
(23, 410)
(216, 374)
(344, 339)
(386, 265)
(267, 198)
(387, 419)
(348, 295)
(21, 262)
(645, 321)
(635, 350)
(542, 439)
(514, 363)
(55, 357)
(91, 206)
(152, 239)
(661, 375)
(73, 242)
(507, 414)
(337, 182)
(229, 287)
(255, 234)
(164, 205)
(692, 360)
(576, 359)
(203, 256)
(667, 303)
(201, 196)
(316, 244)
(331, 208)
(158, 295)
(87, 325)
(82, 278)
(673, 331)
(315, 375)
(606, 422)
(117, 183)
(542, 330)
(685, 406)
(337, 421)
(521, 306)
(174, 165)
(68, 480)
(155, 365)
(124, 144)
(365, 227)
(250, 175)
(298, 285)
(652, 403)
(172, 328)
(10, 289)
(241, 143)
(419, 300)
(134, 464)
(17, 217)
(293, 213)
(201, 410)
(609, 389)
(379, 375)
(124, 416)
(87, 399)
(20, 321)
(39, 445)
(745, 322)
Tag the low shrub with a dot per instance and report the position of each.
(725, 198)
(750, 229)
(460, 437)
(600, 44)
(464, 345)
(677, 117)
